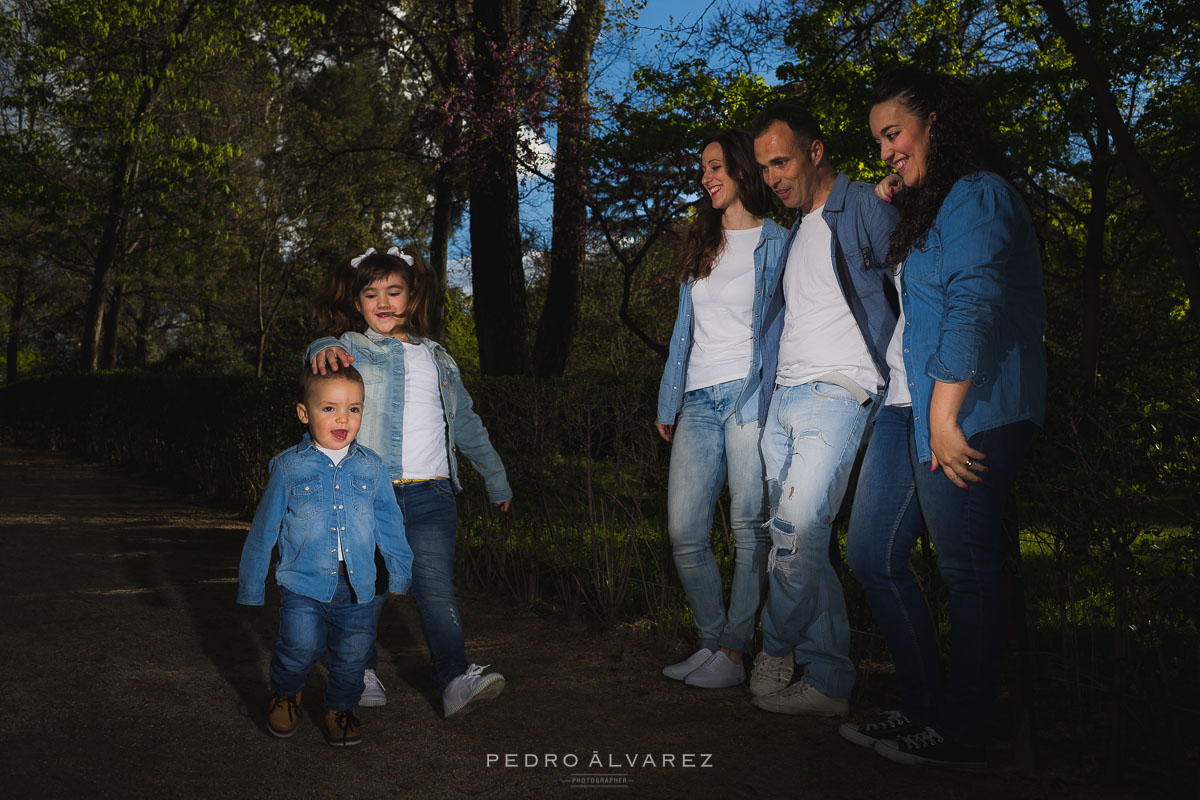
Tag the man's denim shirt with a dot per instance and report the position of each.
(974, 309)
(307, 503)
(674, 379)
(862, 224)
(380, 360)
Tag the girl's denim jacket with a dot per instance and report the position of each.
(671, 389)
(380, 360)
(308, 501)
(974, 309)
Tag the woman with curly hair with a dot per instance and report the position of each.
(708, 405)
(966, 398)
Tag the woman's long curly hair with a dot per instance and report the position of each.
(335, 305)
(704, 239)
(958, 146)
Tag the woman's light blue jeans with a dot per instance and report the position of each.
(897, 498)
(709, 445)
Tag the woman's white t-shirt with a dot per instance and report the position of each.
(723, 315)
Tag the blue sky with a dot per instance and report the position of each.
(657, 21)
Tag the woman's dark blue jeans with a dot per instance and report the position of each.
(897, 497)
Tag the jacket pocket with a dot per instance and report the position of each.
(372, 365)
(924, 263)
(362, 493)
(304, 500)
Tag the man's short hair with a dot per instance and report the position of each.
(803, 124)
(309, 380)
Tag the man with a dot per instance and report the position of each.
(827, 325)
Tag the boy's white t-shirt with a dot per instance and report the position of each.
(723, 315)
(336, 457)
(819, 332)
(423, 453)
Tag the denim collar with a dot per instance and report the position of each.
(307, 447)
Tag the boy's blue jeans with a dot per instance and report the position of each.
(897, 498)
(341, 630)
(431, 525)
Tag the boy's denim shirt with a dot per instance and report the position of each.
(862, 224)
(671, 389)
(380, 360)
(974, 309)
(307, 503)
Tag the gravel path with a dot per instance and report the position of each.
(128, 671)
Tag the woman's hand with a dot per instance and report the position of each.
(665, 431)
(961, 462)
(504, 505)
(888, 187)
(958, 460)
(331, 358)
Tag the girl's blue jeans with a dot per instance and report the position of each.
(710, 446)
(431, 525)
(897, 497)
(341, 630)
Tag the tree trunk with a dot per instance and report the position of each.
(560, 313)
(109, 334)
(16, 317)
(1139, 171)
(497, 273)
(104, 266)
(1093, 261)
(145, 320)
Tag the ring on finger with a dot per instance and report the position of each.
(970, 463)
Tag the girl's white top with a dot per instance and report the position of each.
(424, 448)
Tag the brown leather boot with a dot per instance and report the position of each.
(283, 712)
(341, 728)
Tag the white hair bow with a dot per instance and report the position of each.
(392, 251)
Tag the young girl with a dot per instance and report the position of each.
(416, 413)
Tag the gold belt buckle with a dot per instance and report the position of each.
(403, 481)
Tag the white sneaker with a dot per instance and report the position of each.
(771, 674)
(692, 663)
(717, 673)
(469, 689)
(372, 696)
(800, 698)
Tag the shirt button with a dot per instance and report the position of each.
(337, 486)
(450, 415)
(340, 507)
(906, 349)
(445, 383)
(343, 527)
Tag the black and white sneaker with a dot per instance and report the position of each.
(891, 725)
(930, 747)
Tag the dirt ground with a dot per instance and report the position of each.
(128, 671)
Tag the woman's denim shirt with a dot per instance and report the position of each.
(308, 501)
(974, 309)
(671, 388)
(380, 360)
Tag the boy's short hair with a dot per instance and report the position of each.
(309, 380)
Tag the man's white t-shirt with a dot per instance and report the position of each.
(819, 332)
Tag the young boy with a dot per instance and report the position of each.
(328, 503)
